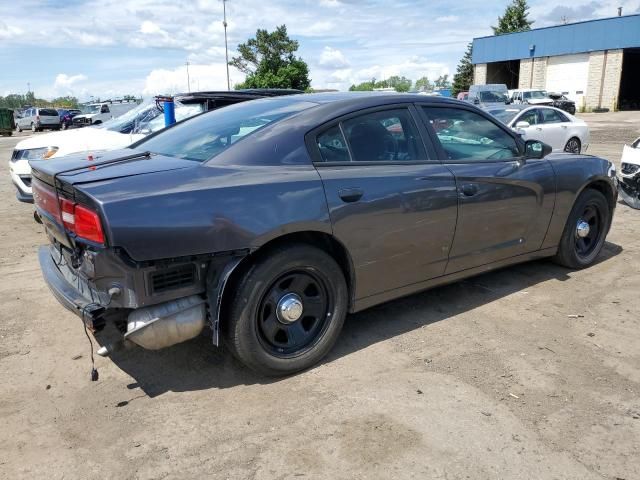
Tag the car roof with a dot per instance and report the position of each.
(364, 99)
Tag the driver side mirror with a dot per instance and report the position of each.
(476, 101)
(523, 124)
(536, 150)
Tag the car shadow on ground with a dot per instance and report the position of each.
(198, 365)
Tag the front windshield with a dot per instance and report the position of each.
(505, 115)
(147, 118)
(91, 108)
(492, 97)
(203, 137)
(536, 94)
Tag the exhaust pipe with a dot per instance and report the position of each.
(166, 324)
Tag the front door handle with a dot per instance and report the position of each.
(349, 195)
(469, 189)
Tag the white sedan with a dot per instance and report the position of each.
(558, 129)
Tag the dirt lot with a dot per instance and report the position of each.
(490, 378)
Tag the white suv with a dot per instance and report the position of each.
(37, 119)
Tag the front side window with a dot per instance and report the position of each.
(551, 116)
(388, 135)
(530, 116)
(467, 135)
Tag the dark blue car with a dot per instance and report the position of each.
(270, 220)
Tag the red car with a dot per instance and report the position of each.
(464, 96)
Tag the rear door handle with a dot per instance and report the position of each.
(349, 195)
(469, 189)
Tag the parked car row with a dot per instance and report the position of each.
(120, 132)
(492, 95)
(270, 220)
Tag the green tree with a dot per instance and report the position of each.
(514, 18)
(463, 78)
(269, 61)
(400, 84)
(424, 84)
(442, 81)
(65, 102)
(364, 86)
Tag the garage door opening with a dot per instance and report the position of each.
(504, 72)
(629, 98)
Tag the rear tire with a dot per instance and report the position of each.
(268, 337)
(580, 244)
(573, 145)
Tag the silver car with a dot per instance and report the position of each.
(38, 119)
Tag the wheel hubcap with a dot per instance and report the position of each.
(582, 229)
(289, 308)
(588, 231)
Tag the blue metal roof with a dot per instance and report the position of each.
(589, 36)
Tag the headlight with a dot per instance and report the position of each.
(34, 153)
(612, 170)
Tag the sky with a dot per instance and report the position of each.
(109, 48)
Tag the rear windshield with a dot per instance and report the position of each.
(506, 115)
(203, 137)
(48, 112)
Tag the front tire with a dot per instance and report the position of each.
(573, 145)
(585, 231)
(34, 128)
(288, 310)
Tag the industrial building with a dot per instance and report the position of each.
(596, 63)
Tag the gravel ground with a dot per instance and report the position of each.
(531, 372)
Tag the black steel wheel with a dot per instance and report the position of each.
(573, 145)
(288, 310)
(585, 231)
(294, 313)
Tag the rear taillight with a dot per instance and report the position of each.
(82, 221)
(88, 224)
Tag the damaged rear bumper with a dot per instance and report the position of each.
(69, 296)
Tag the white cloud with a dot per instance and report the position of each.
(330, 3)
(202, 77)
(150, 28)
(332, 58)
(8, 31)
(447, 19)
(66, 81)
(88, 39)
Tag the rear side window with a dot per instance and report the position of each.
(104, 109)
(332, 145)
(551, 116)
(48, 112)
(467, 135)
(383, 136)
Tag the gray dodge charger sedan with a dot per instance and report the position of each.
(269, 221)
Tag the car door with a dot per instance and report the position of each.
(391, 205)
(505, 202)
(553, 129)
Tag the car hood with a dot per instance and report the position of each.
(78, 169)
(540, 101)
(79, 140)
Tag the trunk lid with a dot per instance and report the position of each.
(55, 180)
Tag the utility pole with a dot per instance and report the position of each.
(226, 48)
(188, 80)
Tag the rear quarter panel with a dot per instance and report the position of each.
(209, 209)
(573, 174)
